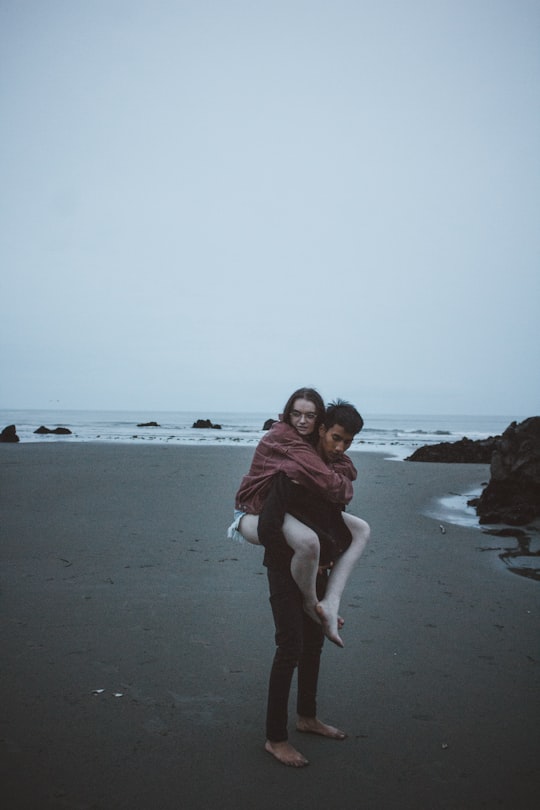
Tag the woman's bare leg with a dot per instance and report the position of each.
(341, 571)
(305, 565)
(248, 528)
(305, 560)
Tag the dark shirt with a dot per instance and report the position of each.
(323, 517)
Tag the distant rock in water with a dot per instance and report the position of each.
(512, 495)
(268, 424)
(465, 451)
(205, 423)
(9, 434)
(148, 424)
(59, 431)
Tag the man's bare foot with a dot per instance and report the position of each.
(330, 623)
(286, 754)
(312, 725)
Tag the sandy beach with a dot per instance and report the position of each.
(137, 642)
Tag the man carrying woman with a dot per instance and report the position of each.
(294, 494)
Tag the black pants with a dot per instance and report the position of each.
(299, 642)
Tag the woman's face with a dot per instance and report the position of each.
(303, 416)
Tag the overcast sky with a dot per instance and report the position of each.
(206, 204)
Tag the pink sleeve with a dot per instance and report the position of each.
(344, 466)
(301, 462)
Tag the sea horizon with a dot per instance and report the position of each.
(395, 434)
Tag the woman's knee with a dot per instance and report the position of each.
(359, 528)
(300, 538)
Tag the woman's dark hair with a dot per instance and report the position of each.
(312, 396)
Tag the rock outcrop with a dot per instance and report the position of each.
(148, 424)
(465, 451)
(512, 495)
(59, 431)
(205, 423)
(9, 434)
(268, 424)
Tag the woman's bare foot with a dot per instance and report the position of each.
(286, 754)
(312, 725)
(312, 611)
(330, 623)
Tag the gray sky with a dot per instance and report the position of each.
(208, 204)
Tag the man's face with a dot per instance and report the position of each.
(333, 442)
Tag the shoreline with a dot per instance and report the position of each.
(397, 435)
(117, 576)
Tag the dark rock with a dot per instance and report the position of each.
(465, 451)
(9, 434)
(59, 431)
(148, 424)
(205, 423)
(268, 424)
(512, 495)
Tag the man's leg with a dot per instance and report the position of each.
(289, 619)
(341, 571)
(308, 676)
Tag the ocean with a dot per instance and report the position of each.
(396, 435)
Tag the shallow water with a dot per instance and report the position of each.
(520, 549)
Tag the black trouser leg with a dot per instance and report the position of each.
(299, 643)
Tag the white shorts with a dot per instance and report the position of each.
(233, 532)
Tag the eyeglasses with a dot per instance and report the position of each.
(310, 417)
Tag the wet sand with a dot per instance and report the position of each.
(117, 576)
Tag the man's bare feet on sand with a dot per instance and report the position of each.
(286, 754)
(312, 725)
(330, 622)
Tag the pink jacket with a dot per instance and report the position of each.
(284, 450)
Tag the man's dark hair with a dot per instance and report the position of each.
(344, 414)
